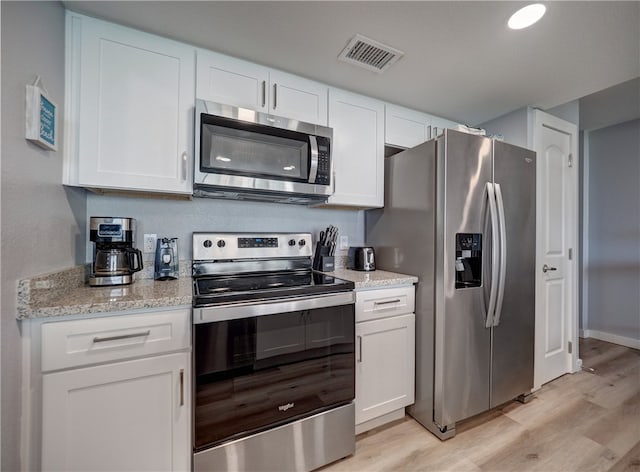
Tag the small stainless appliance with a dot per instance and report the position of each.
(460, 214)
(273, 350)
(362, 258)
(246, 155)
(166, 264)
(115, 258)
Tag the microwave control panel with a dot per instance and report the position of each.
(323, 177)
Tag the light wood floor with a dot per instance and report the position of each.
(588, 421)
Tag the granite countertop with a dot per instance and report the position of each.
(66, 293)
(373, 279)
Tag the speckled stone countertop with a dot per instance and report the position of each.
(373, 279)
(66, 293)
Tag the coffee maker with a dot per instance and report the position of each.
(114, 257)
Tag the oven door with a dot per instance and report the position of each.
(263, 370)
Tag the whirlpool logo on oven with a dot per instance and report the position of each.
(286, 407)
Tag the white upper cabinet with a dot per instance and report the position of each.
(129, 114)
(224, 79)
(239, 83)
(438, 125)
(405, 128)
(358, 150)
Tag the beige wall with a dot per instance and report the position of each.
(40, 218)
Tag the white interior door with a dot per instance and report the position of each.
(555, 140)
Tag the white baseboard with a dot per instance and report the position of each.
(610, 338)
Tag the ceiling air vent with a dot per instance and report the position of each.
(369, 54)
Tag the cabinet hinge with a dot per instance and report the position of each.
(570, 254)
(570, 347)
(570, 160)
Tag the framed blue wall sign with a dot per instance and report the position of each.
(41, 118)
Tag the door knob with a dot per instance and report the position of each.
(546, 268)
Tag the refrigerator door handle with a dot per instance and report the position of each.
(495, 256)
(503, 255)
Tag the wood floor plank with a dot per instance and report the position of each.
(620, 429)
(588, 421)
(630, 462)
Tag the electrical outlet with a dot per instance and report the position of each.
(149, 243)
(343, 242)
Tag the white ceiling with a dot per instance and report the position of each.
(461, 60)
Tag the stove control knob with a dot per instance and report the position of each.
(221, 243)
(302, 242)
(207, 243)
(292, 242)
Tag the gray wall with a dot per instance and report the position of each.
(614, 230)
(175, 218)
(569, 111)
(40, 219)
(513, 127)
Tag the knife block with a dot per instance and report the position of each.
(322, 261)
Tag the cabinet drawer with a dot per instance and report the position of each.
(373, 304)
(75, 343)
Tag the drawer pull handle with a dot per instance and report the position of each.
(388, 302)
(122, 336)
(181, 387)
(359, 348)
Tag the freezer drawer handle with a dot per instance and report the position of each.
(546, 268)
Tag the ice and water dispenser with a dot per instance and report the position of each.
(468, 260)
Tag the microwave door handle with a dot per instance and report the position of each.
(313, 168)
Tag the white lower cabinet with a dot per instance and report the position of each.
(385, 356)
(133, 414)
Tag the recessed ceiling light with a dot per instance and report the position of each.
(526, 16)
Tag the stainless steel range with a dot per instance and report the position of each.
(274, 363)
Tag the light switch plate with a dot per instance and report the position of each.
(343, 242)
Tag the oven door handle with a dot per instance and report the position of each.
(234, 311)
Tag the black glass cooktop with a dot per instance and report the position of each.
(218, 289)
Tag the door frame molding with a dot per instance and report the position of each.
(584, 263)
(539, 120)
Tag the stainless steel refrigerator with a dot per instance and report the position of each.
(460, 214)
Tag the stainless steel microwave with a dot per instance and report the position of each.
(242, 154)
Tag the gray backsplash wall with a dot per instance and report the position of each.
(177, 218)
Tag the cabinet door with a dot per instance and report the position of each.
(224, 79)
(405, 128)
(438, 125)
(297, 98)
(132, 415)
(358, 150)
(135, 121)
(385, 366)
